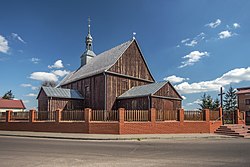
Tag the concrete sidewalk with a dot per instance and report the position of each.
(80, 136)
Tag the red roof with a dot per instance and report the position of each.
(11, 104)
(247, 91)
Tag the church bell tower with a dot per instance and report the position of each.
(88, 54)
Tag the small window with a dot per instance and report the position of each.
(247, 101)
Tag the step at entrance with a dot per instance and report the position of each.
(234, 130)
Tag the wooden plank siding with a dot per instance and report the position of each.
(167, 91)
(165, 104)
(116, 86)
(92, 89)
(139, 103)
(131, 63)
(43, 102)
(51, 104)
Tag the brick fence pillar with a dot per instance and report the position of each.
(87, 115)
(207, 115)
(121, 114)
(58, 115)
(32, 116)
(153, 115)
(181, 115)
(8, 115)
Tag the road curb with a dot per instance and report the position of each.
(119, 138)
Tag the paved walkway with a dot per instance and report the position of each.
(79, 136)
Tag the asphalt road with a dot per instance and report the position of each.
(17, 151)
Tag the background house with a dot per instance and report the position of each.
(243, 98)
(14, 105)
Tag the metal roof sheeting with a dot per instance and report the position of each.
(62, 93)
(99, 63)
(144, 90)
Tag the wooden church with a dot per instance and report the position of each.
(116, 78)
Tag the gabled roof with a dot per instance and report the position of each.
(142, 91)
(61, 93)
(99, 63)
(146, 90)
(11, 104)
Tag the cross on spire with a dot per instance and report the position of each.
(89, 25)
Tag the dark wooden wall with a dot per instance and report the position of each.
(51, 104)
(167, 91)
(165, 104)
(116, 86)
(139, 103)
(92, 89)
(42, 102)
(131, 63)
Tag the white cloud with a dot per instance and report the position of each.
(31, 95)
(57, 64)
(16, 36)
(43, 76)
(236, 25)
(60, 73)
(34, 60)
(191, 43)
(198, 101)
(4, 47)
(225, 34)
(234, 76)
(175, 79)
(29, 85)
(214, 24)
(185, 40)
(192, 58)
(25, 85)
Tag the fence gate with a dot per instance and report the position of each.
(229, 117)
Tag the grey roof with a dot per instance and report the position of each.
(62, 93)
(144, 90)
(89, 53)
(99, 63)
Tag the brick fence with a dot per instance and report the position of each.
(116, 125)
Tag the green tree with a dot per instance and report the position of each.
(207, 102)
(230, 100)
(216, 104)
(8, 95)
(49, 84)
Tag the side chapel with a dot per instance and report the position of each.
(118, 77)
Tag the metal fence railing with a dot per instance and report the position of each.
(73, 115)
(103, 115)
(45, 116)
(19, 116)
(166, 115)
(193, 115)
(136, 115)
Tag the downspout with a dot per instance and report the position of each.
(105, 90)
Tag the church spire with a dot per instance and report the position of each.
(89, 38)
(88, 54)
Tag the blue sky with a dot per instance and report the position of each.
(199, 45)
